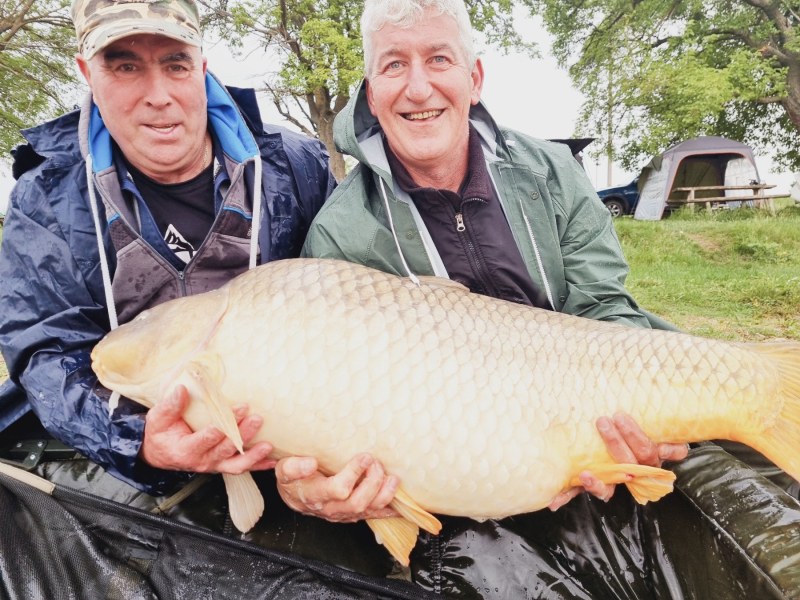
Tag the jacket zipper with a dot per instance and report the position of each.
(473, 255)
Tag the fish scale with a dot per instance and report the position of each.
(481, 407)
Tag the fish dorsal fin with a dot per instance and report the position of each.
(442, 282)
(202, 377)
(245, 502)
(399, 534)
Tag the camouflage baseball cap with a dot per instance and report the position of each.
(101, 22)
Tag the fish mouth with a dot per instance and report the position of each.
(423, 115)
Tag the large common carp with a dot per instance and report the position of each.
(482, 407)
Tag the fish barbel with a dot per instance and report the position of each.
(482, 407)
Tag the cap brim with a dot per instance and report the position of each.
(100, 38)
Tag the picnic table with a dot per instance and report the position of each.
(711, 195)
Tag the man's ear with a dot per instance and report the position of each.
(477, 81)
(370, 100)
(83, 67)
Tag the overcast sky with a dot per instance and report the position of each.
(531, 95)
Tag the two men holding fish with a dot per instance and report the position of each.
(149, 193)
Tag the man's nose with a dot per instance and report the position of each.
(157, 91)
(418, 84)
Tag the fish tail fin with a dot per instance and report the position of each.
(399, 534)
(645, 483)
(245, 502)
(780, 440)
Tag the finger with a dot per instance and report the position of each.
(165, 413)
(364, 494)
(241, 463)
(615, 444)
(564, 497)
(293, 468)
(643, 448)
(596, 487)
(341, 485)
(386, 493)
(240, 412)
(250, 426)
(204, 441)
(264, 464)
(673, 452)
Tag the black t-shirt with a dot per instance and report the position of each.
(183, 212)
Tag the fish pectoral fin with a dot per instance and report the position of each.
(397, 534)
(645, 483)
(203, 377)
(410, 510)
(245, 502)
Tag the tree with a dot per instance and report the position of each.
(37, 45)
(317, 48)
(675, 69)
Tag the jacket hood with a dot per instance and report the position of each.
(226, 122)
(356, 124)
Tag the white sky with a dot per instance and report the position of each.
(531, 95)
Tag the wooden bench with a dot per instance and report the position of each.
(756, 195)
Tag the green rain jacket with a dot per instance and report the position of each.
(563, 231)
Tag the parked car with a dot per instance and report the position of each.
(621, 200)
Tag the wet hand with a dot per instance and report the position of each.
(361, 490)
(626, 443)
(169, 443)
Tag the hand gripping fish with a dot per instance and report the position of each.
(483, 408)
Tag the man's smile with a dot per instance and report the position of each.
(420, 116)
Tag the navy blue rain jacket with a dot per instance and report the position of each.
(52, 297)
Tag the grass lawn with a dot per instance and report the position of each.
(734, 274)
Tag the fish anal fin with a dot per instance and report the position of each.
(645, 483)
(245, 502)
(397, 534)
(202, 377)
(409, 509)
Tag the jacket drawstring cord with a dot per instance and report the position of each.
(256, 223)
(113, 321)
(411, 275)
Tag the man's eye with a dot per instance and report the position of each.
(126, 68)
(394, 65)
(439, 59)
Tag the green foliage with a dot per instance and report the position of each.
(37, 45)
(657, 72)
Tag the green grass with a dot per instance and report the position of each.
(728, 275)
(731, 275)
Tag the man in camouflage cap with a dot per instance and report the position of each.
(98, 23)
(165, 184)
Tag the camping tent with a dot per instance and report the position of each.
(701, 161)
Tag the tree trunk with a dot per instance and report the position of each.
(792, 102)
(325, 133)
